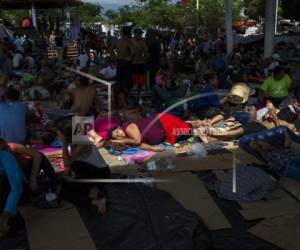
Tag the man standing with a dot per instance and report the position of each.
(123, 53)
(154, 49)
(139, 57)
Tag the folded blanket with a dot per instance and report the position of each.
(54, 155)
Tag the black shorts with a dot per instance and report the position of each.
(253, 127)
(124, 76)
(139, 69)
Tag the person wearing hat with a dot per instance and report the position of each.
(236, 105)
(276, 87)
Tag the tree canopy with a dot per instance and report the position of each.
(164, 13)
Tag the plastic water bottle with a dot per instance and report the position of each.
(151, 166)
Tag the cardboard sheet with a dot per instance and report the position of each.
(291, 186)
(220, 174)
(192, 194)
(56, 229)
(281, 231)
(211, 162)
(271, 211)
(276, 199)
(277, 203)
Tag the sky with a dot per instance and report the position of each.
(118, 2)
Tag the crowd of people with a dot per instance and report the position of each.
(167, 87)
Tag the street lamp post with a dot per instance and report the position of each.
(229, 24)
(270, 26)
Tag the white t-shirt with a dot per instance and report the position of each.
(17, 60)
(83, 60)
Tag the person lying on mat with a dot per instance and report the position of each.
(279, 160)
(245, 129)
(151, 131)
(85, 162)
(11, 186)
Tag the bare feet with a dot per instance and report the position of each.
(100, 204)
(95, 139)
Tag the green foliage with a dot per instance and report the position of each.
(149, 13)
(89, 13)
(255, 9)
(163, 13)
(15, 16)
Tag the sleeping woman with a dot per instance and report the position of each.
(149, 132)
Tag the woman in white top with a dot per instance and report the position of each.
(86, 162)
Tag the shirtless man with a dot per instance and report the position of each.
(139, 58)
(123, 52)
(85, 98)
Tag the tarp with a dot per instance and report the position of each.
(140, 217)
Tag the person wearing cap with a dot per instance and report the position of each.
(276, 87)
